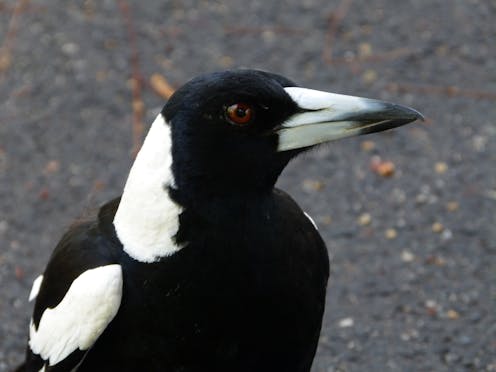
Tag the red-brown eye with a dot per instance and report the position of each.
(239, 113)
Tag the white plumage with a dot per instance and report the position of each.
(89, 305)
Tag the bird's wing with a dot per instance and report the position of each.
(76, 298)
(74, 325)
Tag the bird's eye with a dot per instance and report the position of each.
(239, 113)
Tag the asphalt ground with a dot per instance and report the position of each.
(408, 216)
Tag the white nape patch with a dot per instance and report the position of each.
(147, 218)
(89, 305)
(35, 289)
(311, 220)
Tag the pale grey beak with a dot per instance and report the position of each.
(328, 116)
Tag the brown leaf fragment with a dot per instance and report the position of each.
(5, 60)
(44, 194)
(19, 272)
(384, 168)
(367, 145)
(452, 314)
(161, 86)
(452, 206)
(51, 167)
(435, 260)
(98, 185)
(431, 307)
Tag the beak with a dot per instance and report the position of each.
(326, 116)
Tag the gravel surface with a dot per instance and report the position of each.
(408, 215)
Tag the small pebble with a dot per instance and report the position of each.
(431, 307)
(268, 36)
(326, 220)
(390, 234)
(70, 48)
(4, 225)
(431, 303)
(364, 219)
(364, 49)
(451, 358)
(441, 167)
(346, 322)
(226, 61)
(452, 206)
(437, 227)
(452, 314)
(407, 256)
(446, 234)
(464, 340)
(398, 196)
(312, 185)
(409, 334)
(369, 76)
(479, 143)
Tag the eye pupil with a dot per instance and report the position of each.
(239, 113)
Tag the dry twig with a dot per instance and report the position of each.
(335, 19)
(8, 42)
(136, 78)
(161, 86)
(451, 90)
(375, 58)
(243, 30)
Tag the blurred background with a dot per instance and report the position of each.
(409, 215)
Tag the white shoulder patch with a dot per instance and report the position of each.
(35, 289)
(311, 220)
(89, 305)
(147, 218)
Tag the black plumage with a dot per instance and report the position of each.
(244, 287)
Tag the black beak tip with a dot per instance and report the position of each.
(417, 115)
(392, 116)
(404, 113)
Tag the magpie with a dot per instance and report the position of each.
(202, 264)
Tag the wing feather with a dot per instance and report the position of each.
(90, 304)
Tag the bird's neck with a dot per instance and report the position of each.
(147, 218)
(220, 173)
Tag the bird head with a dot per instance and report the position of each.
(237, 130)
